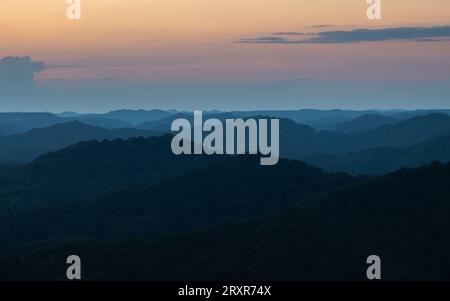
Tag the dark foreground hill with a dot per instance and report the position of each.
(133, 210)
(403, 217)
(221, 191)
(94, 167)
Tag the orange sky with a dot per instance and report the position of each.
(177, 39)
(122, 44)
(41, 26)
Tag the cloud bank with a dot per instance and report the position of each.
(419, 34)
(17, 74)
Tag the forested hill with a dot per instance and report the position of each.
(94, 167)
(25, 147)
(402, 217)
(134, 210)
(384, 159)
(221, 191)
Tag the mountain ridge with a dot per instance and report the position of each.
(27, 146)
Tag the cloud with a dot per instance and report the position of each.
(17, 74)
(433, 40)
(289, 33)
(264, 40)
(320, 26)
(419, 34)
(62, 66)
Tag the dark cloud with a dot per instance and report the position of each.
(362, 35)
(433, 40)
(17, 74)
(420, 34)
(321, 26)
(289, 33)
(264, 40)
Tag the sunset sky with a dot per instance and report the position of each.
(227, 53)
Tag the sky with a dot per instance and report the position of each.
(224, 54)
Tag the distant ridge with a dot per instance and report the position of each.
(14, 123)
(135, 117)
(164, 124)
(364, 123)
(27, 146)
(407, 132)
(384, 159)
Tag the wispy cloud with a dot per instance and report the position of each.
(289, 33)
(264, 40)
(63, 66)
(420, 34)
(321, 26)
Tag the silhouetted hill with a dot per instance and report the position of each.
(135, 117)
(95, 167)
(13, 123)
(298, 140)
(327, 124)
(415, 113)
(364, 123)
(302, 143)
(402, 217)
(134, 211)
(29, 145)
(102, 122)
(16, 123)
(68, 114)
(408, 132)
(306, 116)
(201, 191)
(327, 119)
(164, 125)
(381, 160)
(236, 189)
